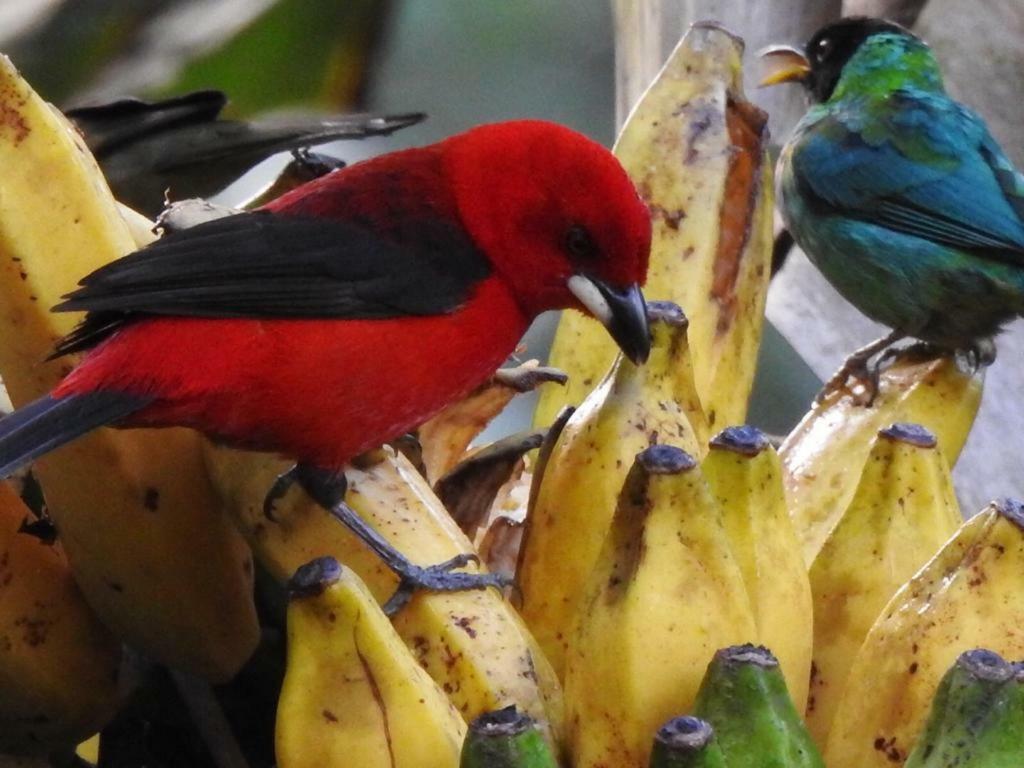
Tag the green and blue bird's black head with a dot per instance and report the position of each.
(875, 46)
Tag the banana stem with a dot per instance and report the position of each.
(210, 721)
(686, 742)
(1012, 510)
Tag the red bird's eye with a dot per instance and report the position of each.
(579, 243)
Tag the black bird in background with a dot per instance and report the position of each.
(180, 146)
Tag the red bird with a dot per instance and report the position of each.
(353, 308)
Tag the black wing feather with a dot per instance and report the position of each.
(108, 127)
(267, 265)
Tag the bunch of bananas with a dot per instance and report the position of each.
(844, 552)
(660, 546)
(156, 564)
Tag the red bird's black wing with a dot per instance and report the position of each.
(266, 265)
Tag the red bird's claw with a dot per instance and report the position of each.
(268, 508)
(459, 561)
(441, 578)
(277, 492)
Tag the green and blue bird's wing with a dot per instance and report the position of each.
(917, 163)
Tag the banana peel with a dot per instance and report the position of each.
(969, 595)
(697, 151)
(473, 644)
(141, 526)
(470, 490)
(59, 666)
(824, 455)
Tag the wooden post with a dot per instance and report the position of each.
(647, 30)
(903, 12)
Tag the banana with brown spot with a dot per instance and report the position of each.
(904, 510)
(59, 666)
(473, 644)
(633, 408)
(665, 594)
(148, 544)
(352, 692)
(744, 473)
(697, 150)
(970, 595)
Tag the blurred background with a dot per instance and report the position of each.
(465, 62)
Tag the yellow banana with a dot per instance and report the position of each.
(89, 750)
(970, 595)
(744, 473)
(472, 643)
(58, 665)
(823, 456)
(665, 594)
(631, 409)
(147, 543)
(903, 511)
(697, 151)
(353, 693)
(140, 229)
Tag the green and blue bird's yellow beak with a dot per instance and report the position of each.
(783, 64)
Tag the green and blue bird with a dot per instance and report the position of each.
(899, 194)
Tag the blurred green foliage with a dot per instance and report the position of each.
(72, 45)
(267, 54)
(298, 53)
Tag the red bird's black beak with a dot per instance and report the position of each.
(621, 310)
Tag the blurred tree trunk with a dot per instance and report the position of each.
(903, 12)
(981, 48)
(658, 26)
(646, 32)
(763, 23)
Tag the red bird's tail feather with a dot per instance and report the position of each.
(50, 422)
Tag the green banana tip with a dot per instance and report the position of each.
(665, 460)
(911, 434)
(986, 665)
(745, 440)
(314, 577)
